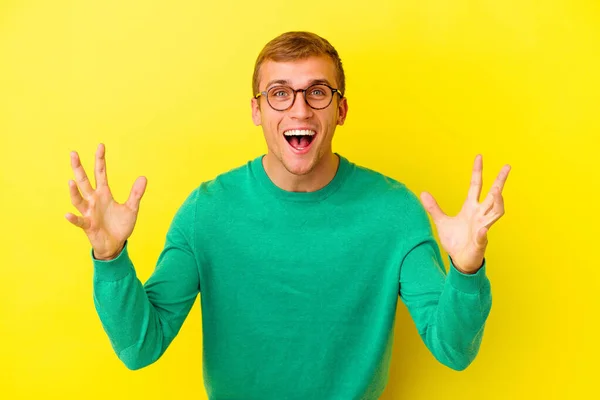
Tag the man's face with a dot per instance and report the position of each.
(299, 157)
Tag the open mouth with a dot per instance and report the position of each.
(300, 139)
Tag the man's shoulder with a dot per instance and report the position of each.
(228, 184)
(386, 191)
(223, 190)
(389, 196)
(378, 182)
(231, 179)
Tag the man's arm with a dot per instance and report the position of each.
(142, 320)
(449, 310)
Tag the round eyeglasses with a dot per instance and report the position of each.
(317, 96)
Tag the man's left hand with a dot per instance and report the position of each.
(464, 237)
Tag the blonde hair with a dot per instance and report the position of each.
(292, 46)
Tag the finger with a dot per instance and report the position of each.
(498, 207)
(476, 179)
(80, 176)
(432, 206)
(481, 236)
(497, 210)
(488, 202)
(100, 167)
(77, 221)
(76, 199)
(502, 177)
(137, 191)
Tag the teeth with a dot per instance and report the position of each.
(298, 132)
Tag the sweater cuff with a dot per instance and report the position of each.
(468, 283)
(112, 270)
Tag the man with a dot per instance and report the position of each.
(299, 256)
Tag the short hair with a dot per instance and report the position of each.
(291, 46)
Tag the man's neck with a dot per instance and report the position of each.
(318, 178)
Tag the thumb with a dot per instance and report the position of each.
(432, 206)
(137, 191)
(481, 237)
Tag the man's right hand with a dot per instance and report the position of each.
(106, 223)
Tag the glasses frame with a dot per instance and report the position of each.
(295, 91)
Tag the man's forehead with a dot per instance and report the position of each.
(298, 72)
(291, 82)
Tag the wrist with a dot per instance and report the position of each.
(107, 256)
(466, 269)
(113, 269)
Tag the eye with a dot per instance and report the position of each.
(318, 92)
(279, 92)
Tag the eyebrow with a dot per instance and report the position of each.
(287, 82)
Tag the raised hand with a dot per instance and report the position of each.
(464, 237)
(106, 223)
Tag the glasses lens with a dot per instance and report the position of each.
(280, 97)
(318, 96)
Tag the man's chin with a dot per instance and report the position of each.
(299, 164)
(299, 168)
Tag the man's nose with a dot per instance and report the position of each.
(300, 109)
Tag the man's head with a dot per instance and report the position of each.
(299, 136)
(293, 46)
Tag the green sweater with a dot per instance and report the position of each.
(298, 290)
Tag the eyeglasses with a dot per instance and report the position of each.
(317, 96)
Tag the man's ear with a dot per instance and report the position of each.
(256, 117)
(342, 111)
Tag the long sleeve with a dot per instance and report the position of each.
(449, 310)
(142, 320)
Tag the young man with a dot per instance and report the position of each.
(299, 256)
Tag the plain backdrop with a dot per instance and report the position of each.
(430, 83)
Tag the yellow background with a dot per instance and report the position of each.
(430, 83)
